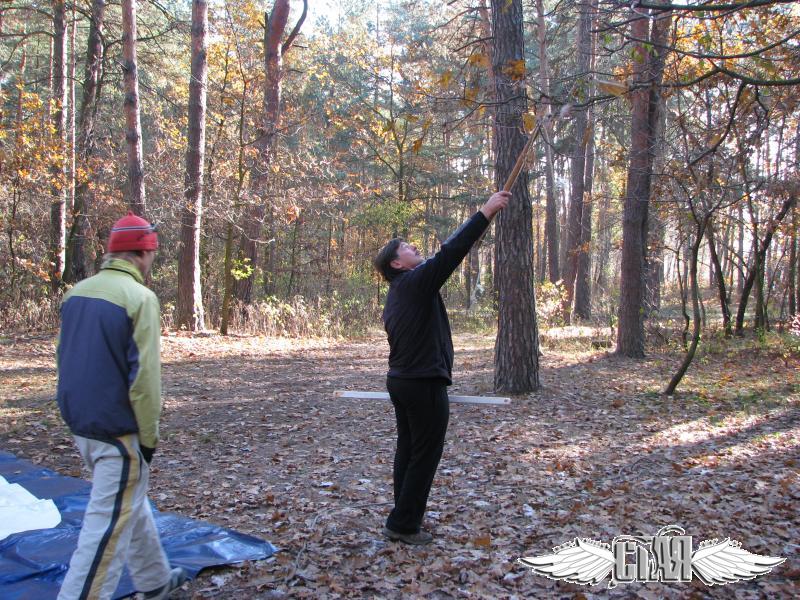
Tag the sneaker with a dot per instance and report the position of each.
(417, 539)
(177, 577)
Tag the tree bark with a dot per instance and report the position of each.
(58, 208)
(720, 279)
(551, 206)
(266, 139)
(648, 70)
(296, 242)
(85, 145)
(72, 112)
(229, 282)
(189, 309)
(517, 343)
(678, 376)
(793, 287)
(578, 161)
(227, 294)
(583, 276)
(133, 127)
(758, 262)
(603, 246)
(740, 250)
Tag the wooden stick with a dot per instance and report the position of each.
(512, 177)
(458, 399)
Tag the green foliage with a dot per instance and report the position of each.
(389, 216)
(241, 269)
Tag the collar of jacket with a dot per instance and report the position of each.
(118, 264)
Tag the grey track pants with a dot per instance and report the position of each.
(118, 526)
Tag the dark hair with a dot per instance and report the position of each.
(382, 261)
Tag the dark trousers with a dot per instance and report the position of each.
(422, 410)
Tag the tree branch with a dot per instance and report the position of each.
(710, 7)
(289, 40)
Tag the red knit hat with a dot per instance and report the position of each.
(132, 233)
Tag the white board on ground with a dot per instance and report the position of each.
(457, 399)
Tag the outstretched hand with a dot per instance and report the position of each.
(496, 202)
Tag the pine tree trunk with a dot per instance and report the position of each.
(133, 127)
(583, 277)
(189, 312)
(551, 206)
(58, 208)
(227, 293)
(793, 285)
(296, 232)
(266, 139)
(78, 263)
(648, 69)
(603, 232)
(517, 344)
(578, 161)
(72, 112)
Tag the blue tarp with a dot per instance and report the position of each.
(33, 563)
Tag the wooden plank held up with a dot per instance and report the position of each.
(523, 156)
(456, 399)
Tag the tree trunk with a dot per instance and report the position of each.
(72, 113)
(583, 276)
(189, 312)
(740, 249)
(578, 160)
(603, 231)
(58, 209)
(648, 70)
(654, 267)
(266, 138)
(793, 286)
(676, 379)
(78, 263)
(759, 256)
(517, 343)
(227, 293)
(760, 321)
(720, 278)
(551, 206)
(792, 267)
(296, 232)
(133, 127)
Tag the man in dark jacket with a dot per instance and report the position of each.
(421, 363)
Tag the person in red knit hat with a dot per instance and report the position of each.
(132, 233)
(109, 394)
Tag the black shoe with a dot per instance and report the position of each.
(417, 539)
(177, 577)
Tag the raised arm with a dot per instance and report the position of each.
(434, 272)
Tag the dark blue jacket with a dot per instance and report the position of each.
(109, 365)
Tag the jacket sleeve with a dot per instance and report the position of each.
(431, 275)
(145, 389)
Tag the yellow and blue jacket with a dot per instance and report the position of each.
(109, 364)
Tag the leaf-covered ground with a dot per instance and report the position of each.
(253, 439)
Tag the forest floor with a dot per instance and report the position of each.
(253, 439)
